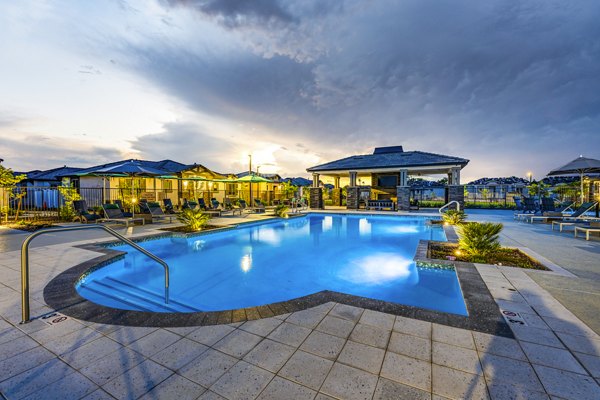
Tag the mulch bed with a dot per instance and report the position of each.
(505, 256)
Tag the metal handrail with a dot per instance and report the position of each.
(448, 205)
(25, 261)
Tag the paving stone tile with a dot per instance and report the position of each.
(209, 335)
(349, 383)
(289, 334)
(90, 352)
(370, 335)
(534, 321)
(242, 381)
(73, 386)
(9, 333)
(261, 327)
(413, 327)
(270, 355)
(535, 335)
(346, 312)
(137, 380)
(407, 370)
(378, 319)
(179, 353)
(57, 331)
(209, 395)
(336, 326)
(116, 363)
(513, 372)
(325, 307)
(387, 390)
(307, 318)
(129, 334)
(575, 327)
(34, 379)
(104, 329)
(98, 395)
(31, 358)
(498, 345)
(322, 396)
(412, 346)
(591, 363)
(208, 367)
(454, 336)
(154, 342)
(323, 345)
(237, 343)
(17, 346)
(306, 369)
(455, 384)
(456, 357)
(280, 388)
(505, 391)
(580, 344)
(361, 356)
(567, 385)
(514, 306)
(552, 357)
(175, 387)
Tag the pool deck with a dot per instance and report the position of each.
(331, 351)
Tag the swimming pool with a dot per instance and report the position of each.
(362, 255)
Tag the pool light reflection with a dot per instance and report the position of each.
(246, 263)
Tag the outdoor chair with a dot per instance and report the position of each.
(529, 208)
(259, 206)
(557, 213)
(218, 207)
(244, 207)
(119, 203)
(202, 204)
(578, 217)
(189, 204)
(84, 214)
(169, 206)
(114, 214)
(592, 228)
(153, 208)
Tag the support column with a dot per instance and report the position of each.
(353, 175)
(455, 191)
(403, 191)
(352, 197)
(315, 180)
(336, 192)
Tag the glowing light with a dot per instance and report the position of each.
(403, 229)
(246, 263)
(198, 245)
(458, 252)
(327, 223)
(379, 268)
(364, 227)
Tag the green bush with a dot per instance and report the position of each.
(478, 240)
(454, 217)
(194, 220)
(282, 211)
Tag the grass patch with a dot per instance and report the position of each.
(503, 256)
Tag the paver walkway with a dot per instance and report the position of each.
(330, 351)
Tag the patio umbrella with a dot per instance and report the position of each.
(580, 166)
(251, 179)
(131, 168)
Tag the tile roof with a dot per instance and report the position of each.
(388, 158)
(169, 166)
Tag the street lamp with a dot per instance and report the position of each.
(530, 175)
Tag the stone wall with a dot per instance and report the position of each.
(352, 194)
(403, 194)
(336, 196)
(316, 198)
(457, 193)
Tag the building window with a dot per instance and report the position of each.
(231, 189)
(167, 186)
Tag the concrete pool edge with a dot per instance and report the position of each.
(61, 295)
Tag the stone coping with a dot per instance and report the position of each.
(61, 295)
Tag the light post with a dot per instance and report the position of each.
(250, 173)
(530, 176)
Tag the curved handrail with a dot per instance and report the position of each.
(25, 261)
(448, 205)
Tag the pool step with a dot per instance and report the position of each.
(156, 297)
(121, 295)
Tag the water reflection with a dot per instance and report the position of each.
(380, 268)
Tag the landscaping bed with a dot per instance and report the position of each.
(504, 256)
(186, 229)
(28, 226)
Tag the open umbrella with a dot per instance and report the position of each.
(580, 166)
(251, 179)
(131, 168)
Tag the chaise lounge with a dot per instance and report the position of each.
(578, 217)
(114, 214)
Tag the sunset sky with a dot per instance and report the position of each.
(514, 86)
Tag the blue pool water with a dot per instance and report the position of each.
(369, 256)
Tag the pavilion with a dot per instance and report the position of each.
(385, 174)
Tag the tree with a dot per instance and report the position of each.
(288, 190)
(8, 181)
(485, 193)
(69, 194)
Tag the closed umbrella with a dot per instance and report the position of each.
(580, 166)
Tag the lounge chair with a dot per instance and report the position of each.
(594, 227)
(169, 206)
(550, 212)
(189, 204)
(529, 208)
(120, 204)
(202, 204)
(114, 214)
(153, 208)
(84, 214)
(578, 217)
(259, 206)
(218, 207)
(244, 206)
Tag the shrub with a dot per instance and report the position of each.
(478, 240)
(454, 217)
(195, 220)
(282, 211)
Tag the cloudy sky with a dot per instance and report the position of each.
(514, 86)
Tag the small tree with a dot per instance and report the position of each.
(8, 181)
(485, 193)
(288, 190)
(282, 211)
(194, 220)
(454, 217)
(69, 194)
(478, 240)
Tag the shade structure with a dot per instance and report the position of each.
(253, 179)
(580, 166)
